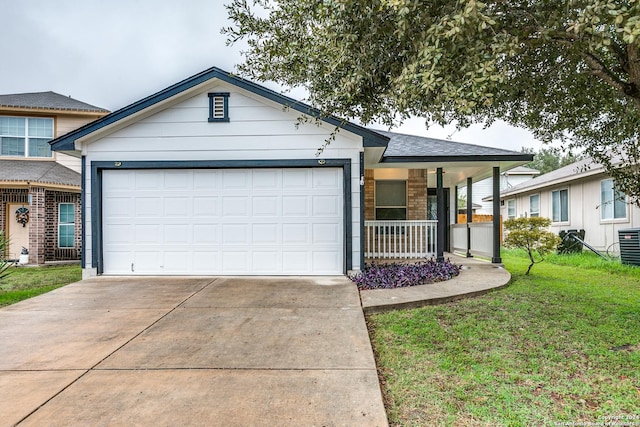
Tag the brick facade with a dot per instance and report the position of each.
(369, 200)
(52, 251)
(43, 221)
(417, 195)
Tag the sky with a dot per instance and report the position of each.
(113, 53)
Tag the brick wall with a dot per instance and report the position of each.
(52, 252)
(417, 195)
(369, 201)
(37, 225)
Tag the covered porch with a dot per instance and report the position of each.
(410, 199)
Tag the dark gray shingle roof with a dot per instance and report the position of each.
(36, 171)
(49, 100)
(403, 146)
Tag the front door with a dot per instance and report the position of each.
(18, 231)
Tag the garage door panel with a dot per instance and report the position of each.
(235, 206)
(235, 221)
(206, 233)
(326, 206)
(326, 233)
(267, 179)
(296, 178)
(296, 262)
(295, 206)
(295, 233)
(264, 262)
(147, 233)
(265, 234)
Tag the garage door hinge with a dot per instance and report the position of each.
(132, 269)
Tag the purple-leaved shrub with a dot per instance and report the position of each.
(400, 275)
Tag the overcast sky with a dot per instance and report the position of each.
(112, 53)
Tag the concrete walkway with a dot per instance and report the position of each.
(190, 351)
(477, 277)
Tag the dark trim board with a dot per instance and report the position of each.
(96, 191)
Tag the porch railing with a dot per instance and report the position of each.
(481, 238)
(400, 239)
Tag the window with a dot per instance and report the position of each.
(534, 205)
(66, 225)
(511, 208)
(560, 206)
(391, 200)
(613, 204)
(25, 136)
(219, 107)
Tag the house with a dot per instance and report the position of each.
(578, 196)
(482, 190)
(216, 175)
(40, 189)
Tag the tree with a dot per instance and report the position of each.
(549, 159)
(531, 235)
(565, 69)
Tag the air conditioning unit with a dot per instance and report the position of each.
(630, 246)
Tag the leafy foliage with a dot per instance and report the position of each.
(565, 69)
(548, 159)
(400, 275)
(4, 248)
(531, 235)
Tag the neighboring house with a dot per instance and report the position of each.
(215, 175)
(482, 190)
(578, 196)
(39, 189)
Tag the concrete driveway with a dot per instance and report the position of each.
(190, 351)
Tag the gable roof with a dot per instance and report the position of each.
(66, 142)
(413, 148)
(38, 172)
(47, 100)
(580, 169)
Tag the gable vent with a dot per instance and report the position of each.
(219, 107)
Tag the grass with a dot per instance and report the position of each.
(28, 282)
(559, 346)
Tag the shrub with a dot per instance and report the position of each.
(531, 235)
(399, 275)
(4, 263)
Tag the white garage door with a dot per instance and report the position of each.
(223, 221)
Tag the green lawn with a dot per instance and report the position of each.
(27, 282)
(559, 346)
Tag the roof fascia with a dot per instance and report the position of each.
(67, 142)
(464, 158)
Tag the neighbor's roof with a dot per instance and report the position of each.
(67, 141)
(580, 169)
(47, 100)
(411, 148)
(522, 170)
(38, 172)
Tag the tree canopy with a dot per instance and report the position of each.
(565, 69)
(548, 159)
